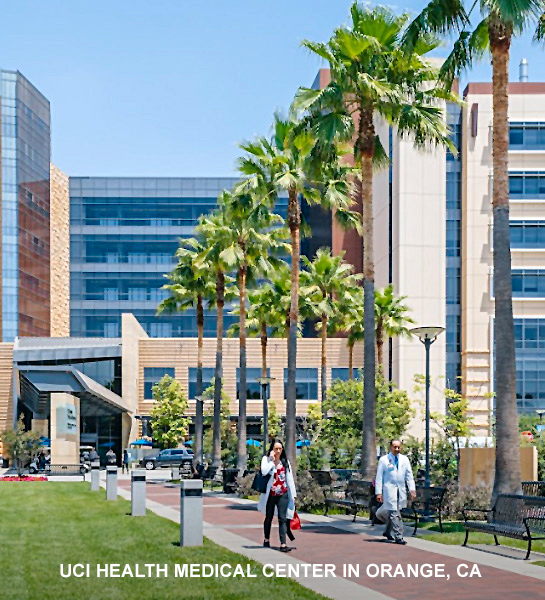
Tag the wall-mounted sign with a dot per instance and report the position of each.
(67, 420)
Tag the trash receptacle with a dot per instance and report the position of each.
(229, 480)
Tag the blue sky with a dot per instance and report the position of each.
(168, 87)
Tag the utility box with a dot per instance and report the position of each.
(138, 493)
(191, 512)
(95, 476)
(111, 483)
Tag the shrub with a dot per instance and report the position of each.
(457, 498)
(309, 493)
(244, 486)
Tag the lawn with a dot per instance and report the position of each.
(455, 534)
(45, 524)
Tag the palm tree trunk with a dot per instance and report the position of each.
(264, 340)
(350, 360)
(366, 140)
(294, 222)
(323, 382)
(199, 405)
(241, 452)
(380, 346)
(507, 478)
(216, 435)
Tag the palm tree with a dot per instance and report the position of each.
(390, 318)
(190, 288)
(372, 75)
(251, 236)
(286, 162)
(326, 279)
(211, 228)
(498, 23)
(352, 324)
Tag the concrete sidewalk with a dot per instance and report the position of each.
(235, 524)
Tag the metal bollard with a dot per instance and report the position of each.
(138, 493)
(111, 483)
(95, 476)
(191, 512)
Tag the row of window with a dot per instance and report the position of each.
(526, 136)
(306, 380)
(526, 184)
(528, 283)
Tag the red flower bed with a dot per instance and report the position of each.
(23, 478)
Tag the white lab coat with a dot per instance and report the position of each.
(392, 483)
(267, 466)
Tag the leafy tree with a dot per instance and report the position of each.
(191, 287)
(22, 446)
(228, 436)
(286, 161)
(274, 423)
(391, 318)
(169, 426)
(329, 282)
(374, 75)
(498, 22)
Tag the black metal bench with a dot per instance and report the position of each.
(230, 476)
(513, 516)
(65, 470)
(428, 503)
(356, 495)
(533, 488)
(211, 474)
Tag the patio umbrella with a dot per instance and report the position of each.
(302, 443)
(252, 442)
(188, 443)
(107, 444)
(45, 441)
(142, 443)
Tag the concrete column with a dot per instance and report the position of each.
(64, 429)
(95, 476)
(138, 493)
(111, 483)
(191, 512)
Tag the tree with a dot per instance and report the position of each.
(374, 75)
(391, 318)
(227, 436)
(328, 282)
(190, 287)
(211, 227)
(498, 23)
(351, 315)
(22, 446)
(169, 426)
(252, 240)
(286, 162)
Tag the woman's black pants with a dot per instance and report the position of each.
(280, 502)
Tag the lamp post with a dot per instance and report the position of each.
(264, 383)
(200, 400)
(540, 412)
(427, 335)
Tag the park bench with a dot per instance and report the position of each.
(533, 488)
(356, 495)
(428, 503)
(65, 470)
(513, 516)
(212, 475)
(230, 476)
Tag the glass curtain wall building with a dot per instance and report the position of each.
(25, 208)
(124, 233)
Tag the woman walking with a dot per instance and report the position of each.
(280, 494)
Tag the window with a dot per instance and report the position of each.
(343, 372)
(138, 294)
(253, 387)
(527, 185)
(153, 375)
(111, 329)
(528, 283)
(160, 329)
(527, 136)
(306, 384)
(527, 234)
(207, 379)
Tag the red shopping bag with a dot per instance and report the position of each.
(295, 523)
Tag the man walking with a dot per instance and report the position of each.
(394, 475)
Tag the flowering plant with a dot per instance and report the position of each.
(22, 478)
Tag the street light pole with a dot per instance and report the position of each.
(427, 335)
(264, 383)
(199, 422)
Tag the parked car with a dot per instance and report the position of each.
(167, 458)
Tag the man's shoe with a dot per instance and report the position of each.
(285, 549)
(400, 542)
(266, 544)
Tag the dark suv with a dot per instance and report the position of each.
(167, 458)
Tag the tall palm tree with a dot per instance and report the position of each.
(391, 318)
(286, 162)
(372, 75)
(252, 238)
(191, 287)
(326, 279)
(211, 228)
(499, 21)
(352, 324)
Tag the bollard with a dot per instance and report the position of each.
(191, 512)
(111, 483)
(95, 476)
(138, 493)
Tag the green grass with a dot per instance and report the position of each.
(455, 534)
(44, 525)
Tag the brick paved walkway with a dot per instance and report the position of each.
(335, 541)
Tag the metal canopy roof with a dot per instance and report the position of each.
(67, 349)
(38, 382)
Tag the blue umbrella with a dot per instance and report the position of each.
(139, 443)
(252, 442)
(189, 443)
(45, 441)
(107, 444)
(302, 443)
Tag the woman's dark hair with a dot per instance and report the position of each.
(283, 456)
